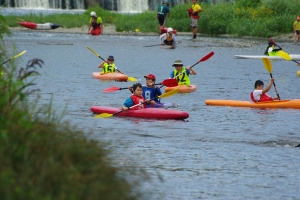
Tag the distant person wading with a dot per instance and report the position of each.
(95, 24)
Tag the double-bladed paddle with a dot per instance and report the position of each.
(14, 57)
(286, 56)
(201, 60)
(166, 82)
(164, 95)
(129, 78)
(268, 66)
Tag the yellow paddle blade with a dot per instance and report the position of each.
(268, 64)
(168, 94)
(284, 55)
(19, 54)
(93, 51)
(103, 115)
(132, 79)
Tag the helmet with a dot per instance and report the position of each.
(170, 30)
(93, 14)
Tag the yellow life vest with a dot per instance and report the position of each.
(108, 68)
(182, 79)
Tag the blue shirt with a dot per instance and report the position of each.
(150, 93)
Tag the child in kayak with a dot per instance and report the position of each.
(181, 73)
(168, 38)
(260, 93)
(136, 98)
(271, 51)
(150, 91)
(108, 66)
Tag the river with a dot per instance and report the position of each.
(218, 152)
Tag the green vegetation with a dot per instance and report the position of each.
(257, 18)
(42, 157)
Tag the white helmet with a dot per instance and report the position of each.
(93, 14)
(170, 30)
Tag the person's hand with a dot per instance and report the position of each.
(298, 64)
(272, 80)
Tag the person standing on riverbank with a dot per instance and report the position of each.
(162, 11)
(194, 17)
(95, 24)
(296, 27)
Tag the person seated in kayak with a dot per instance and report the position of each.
(150, 91)
(136, 98)
(271, 51)
(260, 93)
(168, 38)
(108, 66)
(182, 73)
(95, 24)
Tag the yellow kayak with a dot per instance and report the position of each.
(295, 103)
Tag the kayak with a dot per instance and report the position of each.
(293, 56)
(152, 113)
(110, 76)
(295, 103)
(165, 30)
(182, 88)
(45, 26)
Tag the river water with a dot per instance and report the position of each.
(218, 152)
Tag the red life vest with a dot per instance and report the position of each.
(138, 100)
(263, 97)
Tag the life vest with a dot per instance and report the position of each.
(94, 23)
(137, 100)
(169, 37)
(182, 79)
(263, 97)
(108, 68)
(194, 15)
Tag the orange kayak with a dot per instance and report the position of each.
(182, 88)
(295, 103)
(110, 76)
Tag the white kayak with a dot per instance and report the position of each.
(293, 56)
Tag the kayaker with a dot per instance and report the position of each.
(296, 27)
(271, 51)
(108, 66)
(95, 24)
(136, 98)
(150, 91)
(182, 73)
(162, 11)
(260, 93)
(168, 38)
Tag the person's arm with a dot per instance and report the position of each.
(192, 71)
(174, 38)
(172, 74)
(101, 65)
(268, 87)
(162, 38)
(128, 103)
(90, 25)
(168, 12)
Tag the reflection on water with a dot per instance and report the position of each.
(218, 152)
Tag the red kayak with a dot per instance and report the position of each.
(165, 30)
(32, 25)
(152, 113)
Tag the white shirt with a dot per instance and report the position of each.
(257, 94)
(164, 37)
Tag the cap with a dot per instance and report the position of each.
(170, 30)
(110, 58)
(177, 62)
(151, 76)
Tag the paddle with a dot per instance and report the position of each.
(129, 78)
(165, 95)
(201, 60)
(268, 66)
(160, 44)
(14, 57)
(167, 82)
(286, 56)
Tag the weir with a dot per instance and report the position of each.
(122, 6)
